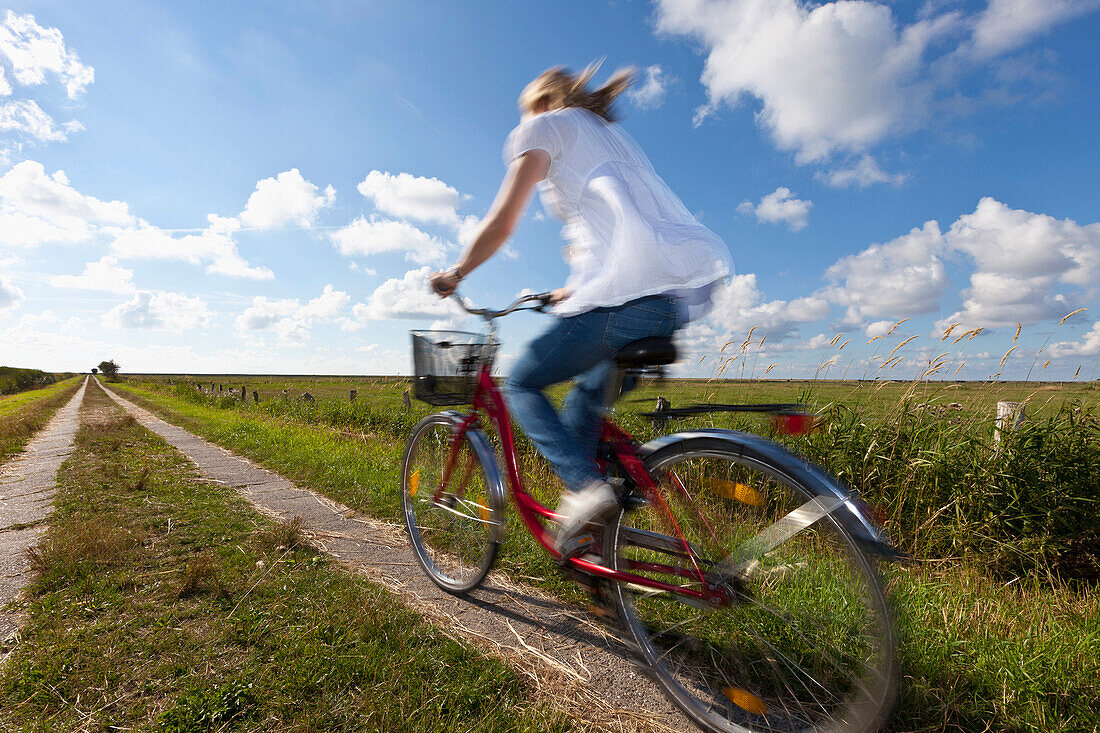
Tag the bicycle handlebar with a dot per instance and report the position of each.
(488, 314)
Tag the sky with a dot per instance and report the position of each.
(212, 187)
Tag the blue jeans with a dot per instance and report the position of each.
(581, 346)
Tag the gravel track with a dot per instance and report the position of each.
(27, 486)
(583, 666)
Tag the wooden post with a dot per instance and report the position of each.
(406, 401)
(255, 396)
(352, 394)
(663, 405)
(285, 394)
(221, 387)
(1010, 415)
(244, 394)
(307, 397)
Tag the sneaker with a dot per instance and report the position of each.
(595, 504)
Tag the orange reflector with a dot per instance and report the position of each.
(483, 511)
(414, 482)
(746, 700)
(738, 492)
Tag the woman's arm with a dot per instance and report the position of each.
(500, 222)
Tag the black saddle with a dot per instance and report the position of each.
(647, 352)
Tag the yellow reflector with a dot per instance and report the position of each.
(746, 700)
(483, 511)
(738, 492)
(414, 482)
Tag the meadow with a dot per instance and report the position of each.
(998, 617)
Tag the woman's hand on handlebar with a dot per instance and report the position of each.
(558, 295)
(444, 283)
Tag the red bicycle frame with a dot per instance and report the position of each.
(488, 400)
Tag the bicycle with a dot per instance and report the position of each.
(744, 575)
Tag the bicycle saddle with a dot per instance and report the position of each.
(651, 351)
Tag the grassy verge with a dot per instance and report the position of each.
(976, 653)
(163, 603)
(24, 414)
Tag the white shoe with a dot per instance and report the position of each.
(596, 503)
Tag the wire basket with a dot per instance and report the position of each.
(446, 365)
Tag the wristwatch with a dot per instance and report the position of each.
(455, 272)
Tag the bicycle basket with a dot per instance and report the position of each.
(446, 365)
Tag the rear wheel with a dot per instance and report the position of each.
(454, 527)
(805, 641)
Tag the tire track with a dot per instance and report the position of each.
(579, 663)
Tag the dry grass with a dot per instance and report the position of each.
(85, 547)
(286, 535)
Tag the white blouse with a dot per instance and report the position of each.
(628, 234)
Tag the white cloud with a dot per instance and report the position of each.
(738, 307)
(650, 94)
(25, 116)
(406, 298)
(286, 199)
(103, 275)
(1005, 25)
(904, 276)
(34, 52)
(1087, 346)
(158, 310)
(26, 190)
(215, 243)
(780, 206)
(5, 87)
(288, 318)
(364, 237)
(405, 196)
(844, 76)
(10, 295)
(866, 172)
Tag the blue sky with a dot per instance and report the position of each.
(224, 187)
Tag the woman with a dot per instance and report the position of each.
(641, 265)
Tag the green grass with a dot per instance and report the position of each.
(14, 379)
(24, 414)
(977, 652)
(164, 603)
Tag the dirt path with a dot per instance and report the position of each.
(27, 485)
(567, 654)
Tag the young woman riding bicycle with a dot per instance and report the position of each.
(641, 266)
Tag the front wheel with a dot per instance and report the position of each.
(804, 642)
(453, 501)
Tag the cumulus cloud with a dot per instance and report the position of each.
(285, 199)
(405, 196)
(739, 305)
(106, 274)
(780, 206)
(650, 93)
(376, 236)
(1089, 345)
(904, 276)
(10, 296)
(844, 76)
(158, 310)
(26, 117)
(289, 318)
(214, 244)
(1005, 25)
(866, 172)
(35, 52)
(27, 191)
(404, 298)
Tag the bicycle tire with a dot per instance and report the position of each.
(455, 539)
(807, 643)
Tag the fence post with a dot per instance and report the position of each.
(352, 394)
(663, 405)
(406, 401)
(1010, 415)
(244, 394)
(255, 396)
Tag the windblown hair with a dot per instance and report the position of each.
(558, 88)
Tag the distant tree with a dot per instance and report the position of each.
(110, 369)
(95, 371)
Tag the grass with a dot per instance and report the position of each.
(24, 414)
(978, 651)
(164, 603)
(14, 379)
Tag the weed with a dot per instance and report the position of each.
(85, 548)
(286, 535)
(201, 576)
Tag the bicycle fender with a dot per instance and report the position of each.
(850, 514)
(488, 459)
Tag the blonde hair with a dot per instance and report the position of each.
(558, 88)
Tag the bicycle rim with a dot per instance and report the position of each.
(452, 534)
(806, 643)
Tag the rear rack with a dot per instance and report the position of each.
(790, 418)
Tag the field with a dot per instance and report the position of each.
(998, 619)
(24, 413)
